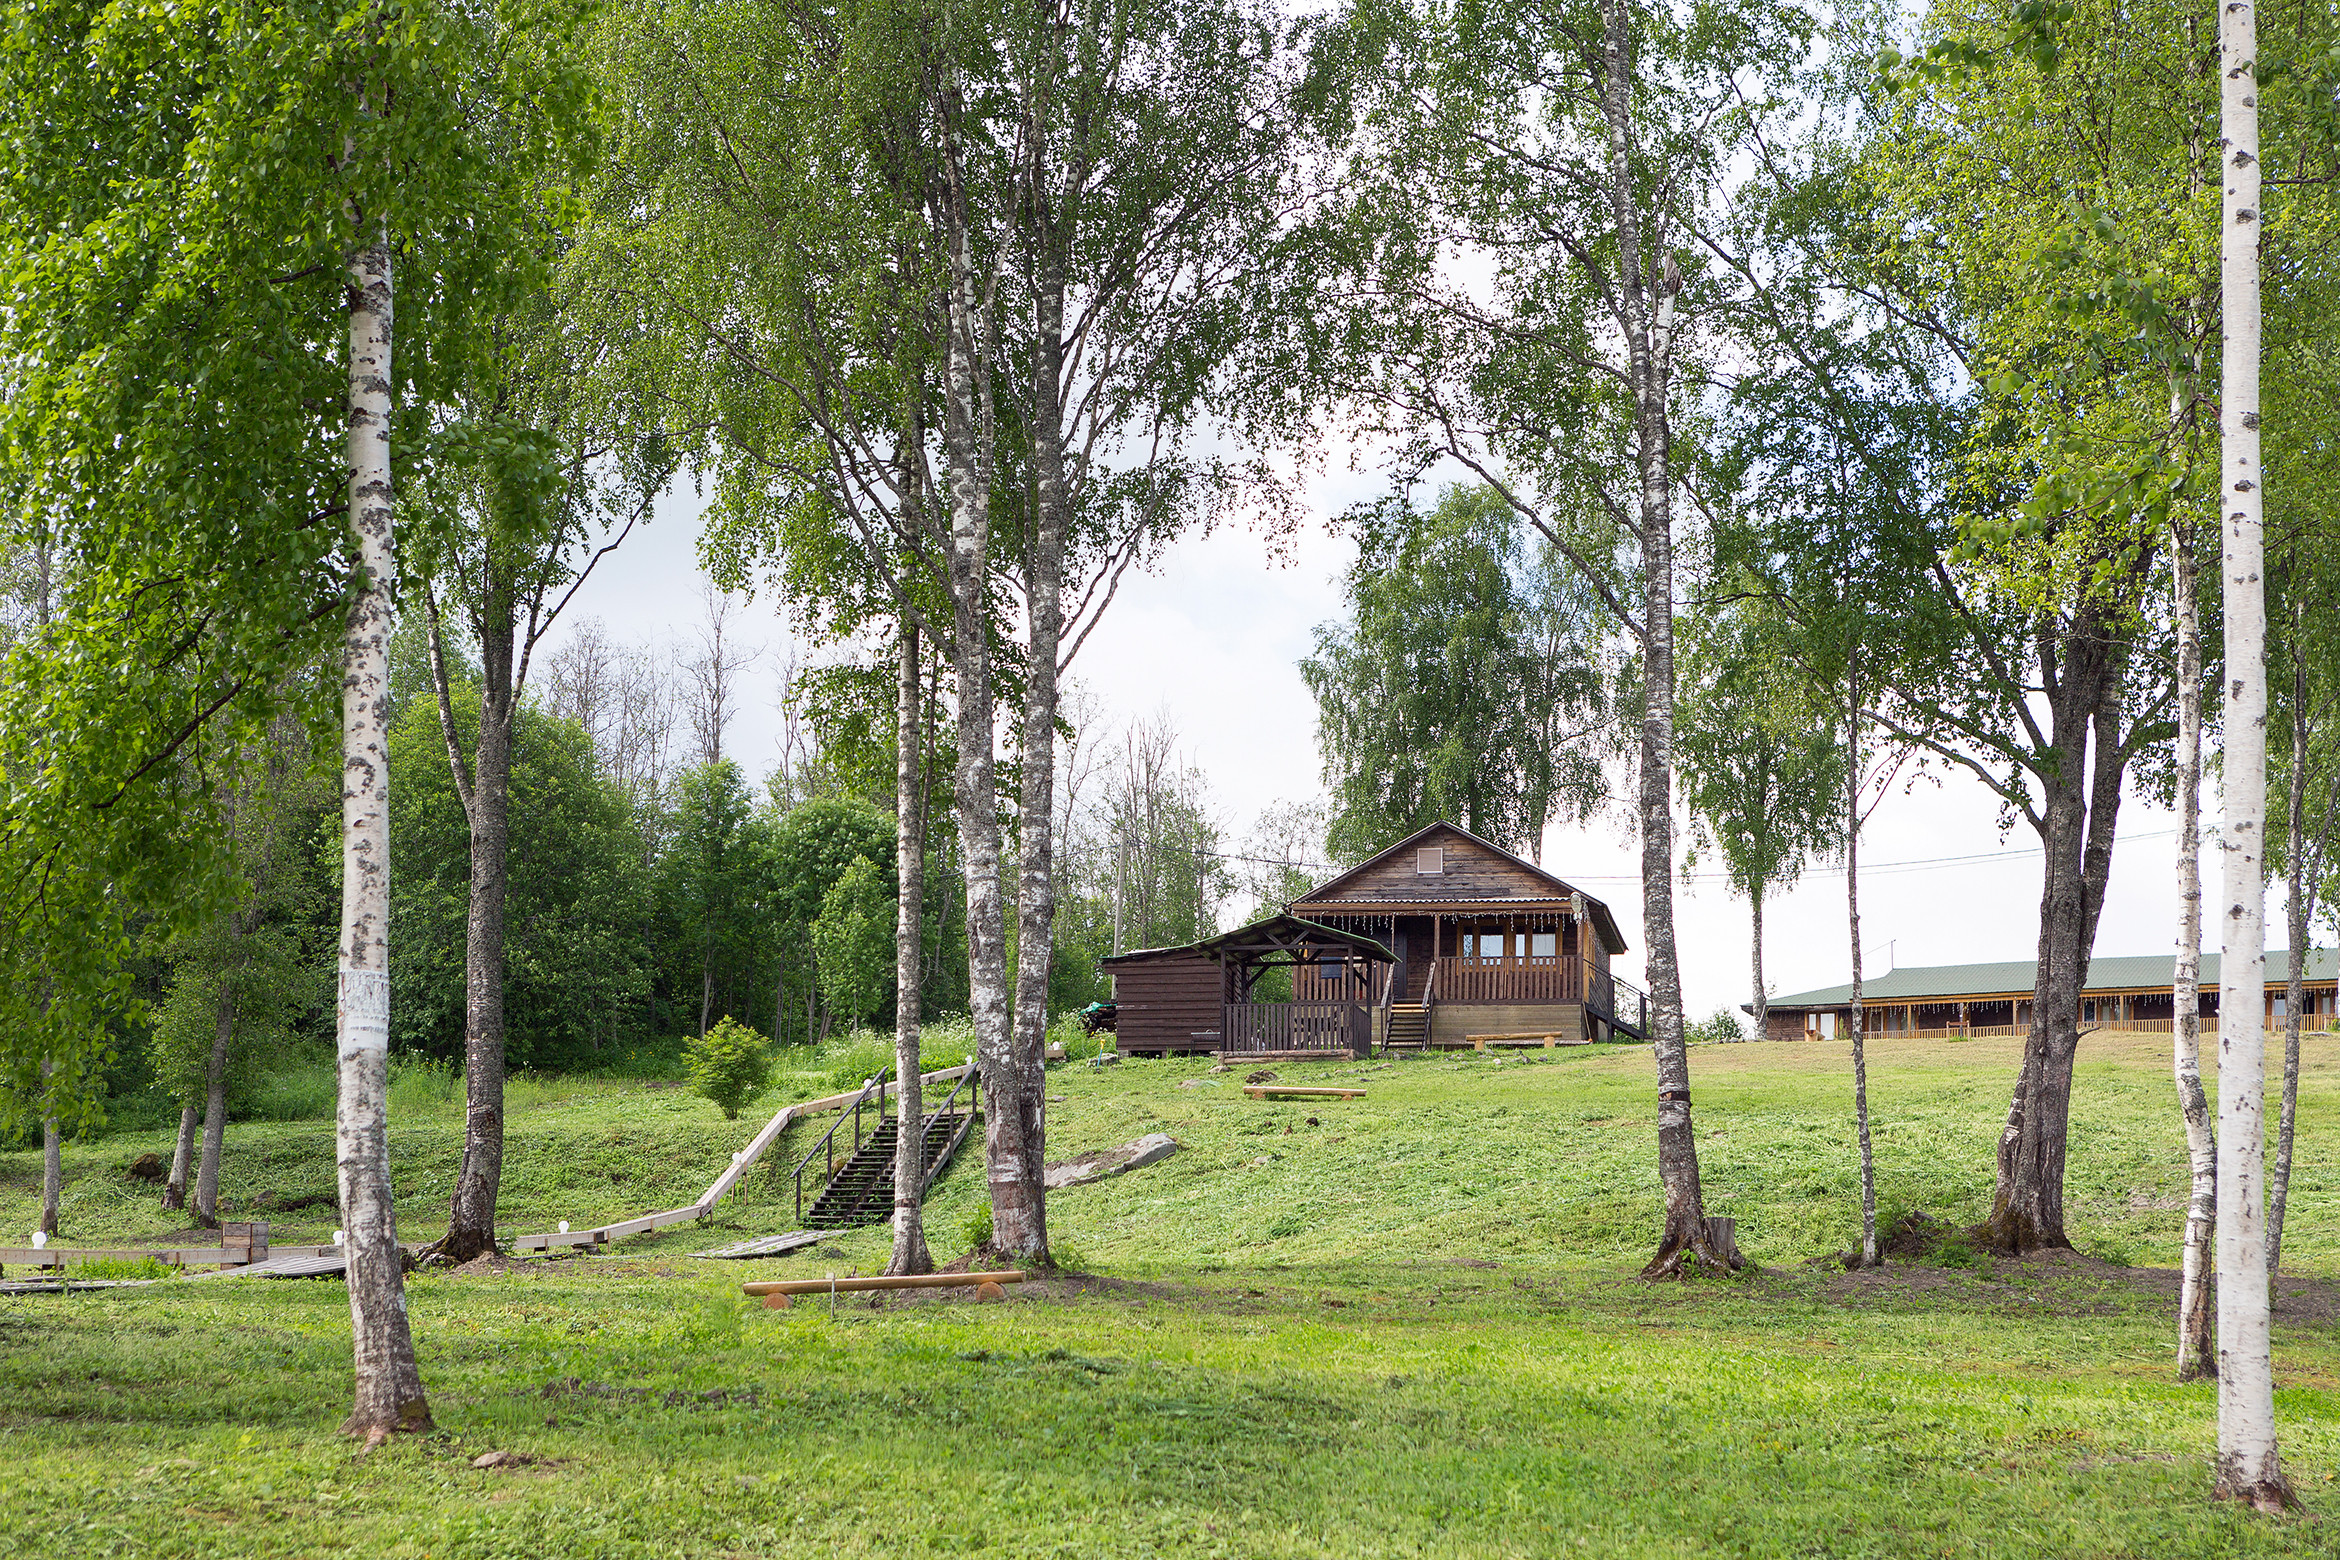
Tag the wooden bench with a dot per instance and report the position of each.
(1261, 1091)
(1522, 1038)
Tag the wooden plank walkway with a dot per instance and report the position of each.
(768, 1245)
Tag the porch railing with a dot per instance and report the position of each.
(1296, 1026)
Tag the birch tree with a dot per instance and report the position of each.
(203, 398)
(2197, 1297)
(1563, 151)
(2249, 1466)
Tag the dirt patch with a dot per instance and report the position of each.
(486, 1264)
(2064, 1282)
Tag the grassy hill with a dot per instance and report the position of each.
(1539, 1156)
(1410, 1328)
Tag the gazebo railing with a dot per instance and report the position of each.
(1296, 1026)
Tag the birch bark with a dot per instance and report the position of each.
(2197, 1286)
(1852, 901)
(2299, 908)
(1762, 1003)
(182, 1158)
(910, 1253)
(968, 430)
(52, 1168)
(1649, 338)
(2249, 1467)
(389, 1392)
(215, 1101)
(1044, 630)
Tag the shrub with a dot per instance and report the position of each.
(977, 1230)
(729, 1064)
(1721, 1028)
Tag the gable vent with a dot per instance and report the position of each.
(1430, 861)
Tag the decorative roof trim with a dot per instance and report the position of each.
(1597, 910)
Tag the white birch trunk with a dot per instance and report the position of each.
(389, 1394)
(52, 1169)
(910, 1253)
(1852, 902)
(967, 436)
(2197, 1298)
(215, 1104)
(2299, 907)
(183, 1156)
(2249, 1467)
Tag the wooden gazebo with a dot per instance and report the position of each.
(1200, 997)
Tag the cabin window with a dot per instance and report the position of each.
(1544, 945)
(1430, 861)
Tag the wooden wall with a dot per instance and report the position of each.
(1452, 1022)
(1167, 1002)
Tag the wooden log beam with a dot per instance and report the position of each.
(1261, 1091)
(822, 1286)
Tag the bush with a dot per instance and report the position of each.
(1721, 1028)
(977, 1230)
(729, 1064)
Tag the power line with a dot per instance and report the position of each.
(1880, 868)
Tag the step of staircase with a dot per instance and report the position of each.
(862, 1191)
(1409, 1027)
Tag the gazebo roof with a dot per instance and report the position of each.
(1278, 934)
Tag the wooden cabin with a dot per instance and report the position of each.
(1487, 948)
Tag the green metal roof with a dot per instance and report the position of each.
(1957, 982)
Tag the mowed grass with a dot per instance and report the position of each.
(1409, 1329)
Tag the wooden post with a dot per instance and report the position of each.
(241, 1245)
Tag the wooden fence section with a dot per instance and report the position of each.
(1296, 1026)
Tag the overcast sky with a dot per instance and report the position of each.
(1213, 638)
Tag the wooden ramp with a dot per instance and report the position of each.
(320, 1262)
(768, 1245)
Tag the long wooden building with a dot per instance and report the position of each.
(1442, 940)
(2133, 992)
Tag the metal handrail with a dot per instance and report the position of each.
(827, 1145)
(974, 1103)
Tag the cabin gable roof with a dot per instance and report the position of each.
(1476, 872)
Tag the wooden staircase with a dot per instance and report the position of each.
(1409, 1026)
(862, 1191)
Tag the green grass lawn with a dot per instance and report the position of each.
(1411, 1328)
